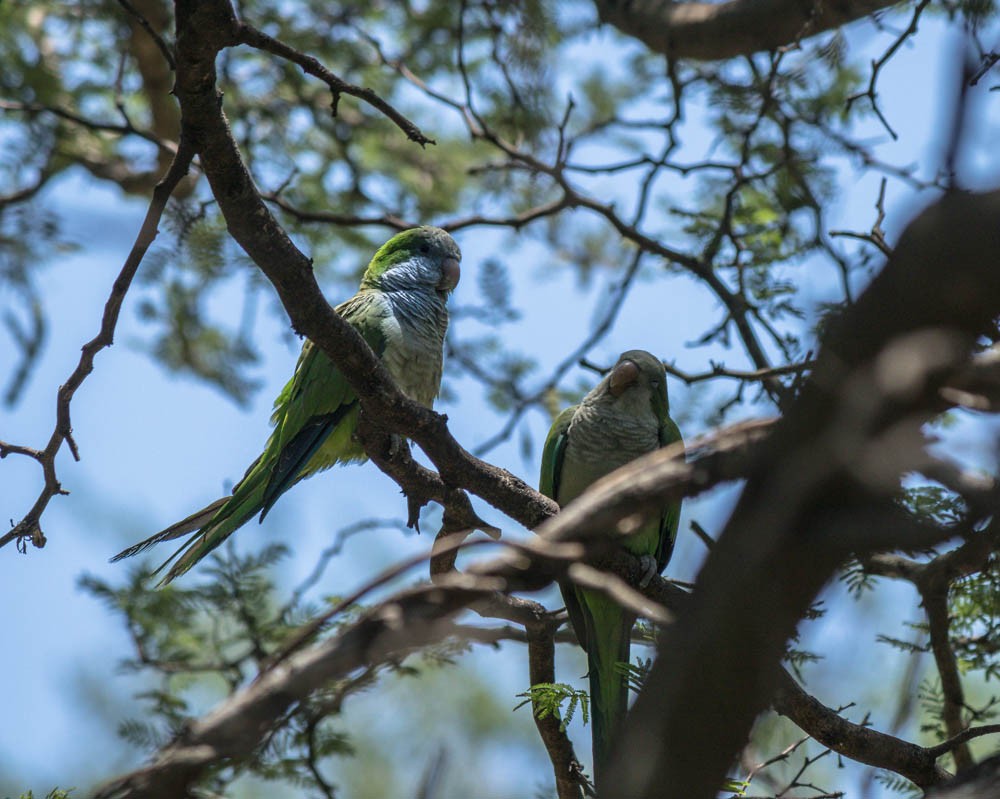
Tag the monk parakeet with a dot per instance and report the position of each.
(624, 417)
(400, 310)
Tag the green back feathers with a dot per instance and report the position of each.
(552, 454)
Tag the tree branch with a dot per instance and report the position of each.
(157, 39)
(30, 526)
(860, 743)
(935, 601)
(249, 35)
(710, 31)
(541, 669)
(980, 782)
(932, 580)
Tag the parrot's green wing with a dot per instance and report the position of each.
(400, 310)
(548, 483)
(669, 521)
(552, 453)
(311, 433)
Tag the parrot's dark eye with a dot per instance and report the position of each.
(425, 249)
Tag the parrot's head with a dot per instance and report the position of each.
(419, 259)
(639, 381)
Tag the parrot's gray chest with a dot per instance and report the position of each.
(414, 339)
(604, 439)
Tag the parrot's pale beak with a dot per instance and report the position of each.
(450, 274)
(622, 376)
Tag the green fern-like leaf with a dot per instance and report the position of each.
(635, 673)
(547, 699)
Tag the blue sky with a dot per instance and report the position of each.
(155, 447)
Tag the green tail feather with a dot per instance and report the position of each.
(609, 631)
(246, 501)
(183, 527)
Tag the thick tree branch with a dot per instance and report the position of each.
(710, 31)
(980, 782)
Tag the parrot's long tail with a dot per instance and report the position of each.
(186, 525)
(609, 630)
(211, 525)
(243, 505)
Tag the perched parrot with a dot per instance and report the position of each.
(401, 311)
(624, 417)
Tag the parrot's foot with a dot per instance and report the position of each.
(648, 569)
(397, 444)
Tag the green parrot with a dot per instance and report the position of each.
(401, 311)
(625, 416)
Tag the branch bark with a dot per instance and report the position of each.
(980, 782)
(541, 669)
(860, 743)
(711, 31)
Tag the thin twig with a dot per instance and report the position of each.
(879, 63)
(30, 526)
(248, 35)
